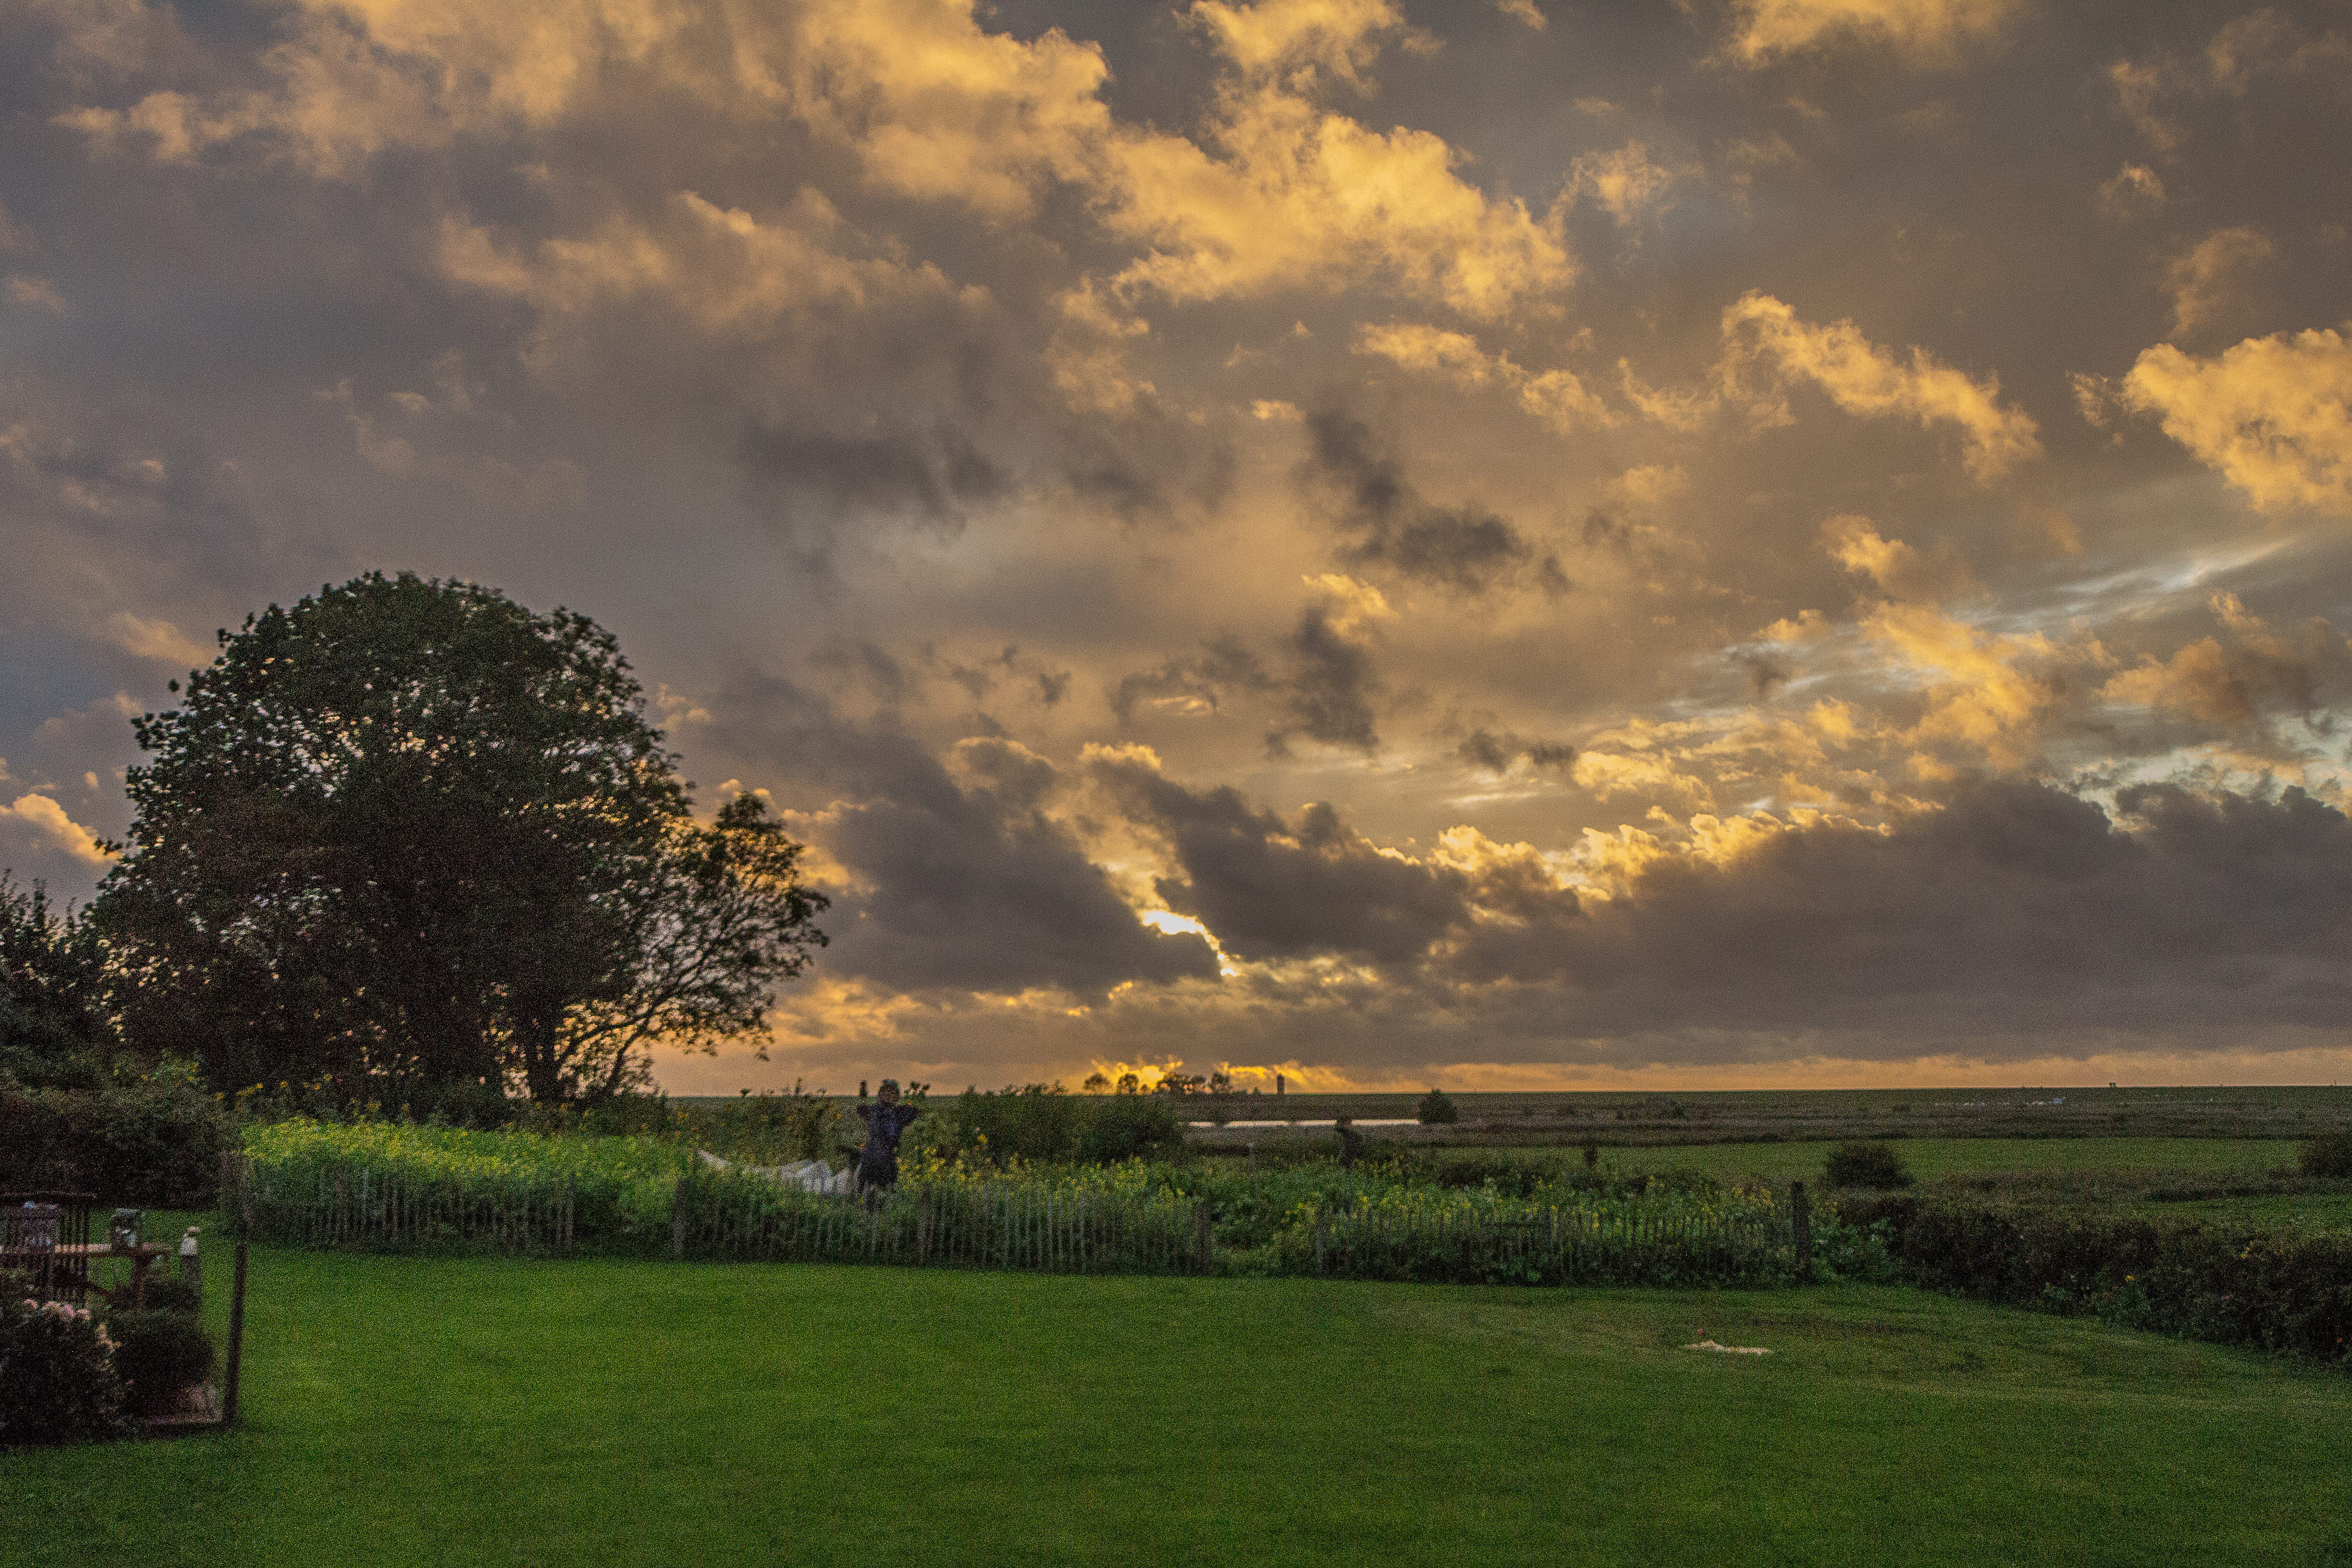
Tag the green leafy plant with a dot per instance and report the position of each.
(57, 1382)
(1129, 1127)
(156, 1139)
(158, 1352)
(1865, 1164)
(2275, 1292)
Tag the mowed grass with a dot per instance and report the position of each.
(482, 1411)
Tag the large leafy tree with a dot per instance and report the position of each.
(412, 829)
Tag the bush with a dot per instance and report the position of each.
(167, 1293)
(1129, 1127)
(57, 1382)
(2330, 1154)
(156, 1142)
(1437, 1109)
(1034, 1124)
(1866, 1165)
(157, 1353)
(2292, 1293)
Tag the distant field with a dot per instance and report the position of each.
(1930, 1157)
(2264, 1114)
(422, 1412)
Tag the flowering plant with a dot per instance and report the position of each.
(57, 1382)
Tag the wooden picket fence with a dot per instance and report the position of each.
(1563, 1246)
(741, 1215)
(359, 1206)
(988, 1225)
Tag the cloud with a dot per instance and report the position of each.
(1276, 889)
(1624, 184)
(959, 878)
(2273, 414)
(2204, 280)
(1280, 192)
(2133, 186)
(43, 822)
(2258, 670)
(1926, 31)
(155, 639)
(1766, 337)
(1331, 687)
(2013, 909)
(1557, 397)
(1277, 192)
(1389, 523)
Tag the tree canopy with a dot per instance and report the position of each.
(53, 1027)
(410, 830)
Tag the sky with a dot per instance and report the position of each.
(1680, 544)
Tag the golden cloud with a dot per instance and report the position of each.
(1763, 334)
(156, 639)
(1623, 184)
(2201, 281)
(2221, 685)
(2273, 414)
(1558, 398)
(1925, 30)
(48, 823)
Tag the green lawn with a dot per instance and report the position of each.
(412, 1411)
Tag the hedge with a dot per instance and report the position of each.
(2225, 1287)
(156, 1142)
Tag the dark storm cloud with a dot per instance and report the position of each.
(1323, 689)
(928, 476)
(1271, 888)
(1469, 548)
(1499, 752)
(1198, 681)
(2015, 909)
(1150, 466)
(971, 888)
(1330, 688)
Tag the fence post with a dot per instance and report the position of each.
(1204, 1238)
(677, 1221)
(240, 1222)
(1801, 1220)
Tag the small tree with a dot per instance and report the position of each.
(1096, 1083)
(1437, 1109)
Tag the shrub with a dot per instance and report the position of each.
(1437, 1109)
(57, 1382)
(156, 1142)
(2330, 1154)
(1034, 1124)
(1129, 1127)
(165, 1293)
(157, 1353)
(1866, 1165)
(2289, 1293)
